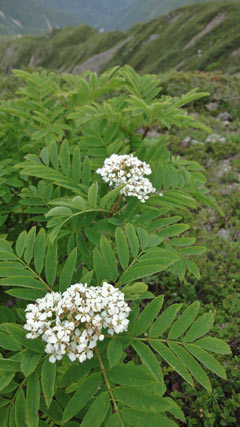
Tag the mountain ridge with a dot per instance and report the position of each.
(197, 37)
(39, 16)
(31, 16)
(145, 10)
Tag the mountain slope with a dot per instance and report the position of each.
(198, 37)
(31, 16)
(145, 10)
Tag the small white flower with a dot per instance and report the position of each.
(52, 359)
(129, 171)
(94, 307)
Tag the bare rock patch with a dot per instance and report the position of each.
(217, 20)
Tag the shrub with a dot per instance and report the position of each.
(62, 223)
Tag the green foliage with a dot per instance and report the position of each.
(71, 228)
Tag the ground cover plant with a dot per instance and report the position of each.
(92, 214)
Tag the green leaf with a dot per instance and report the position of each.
(140, 399)
(137, 418)
(97, 411)
(83, 394)
(4, 402)
(99, 266)
(30, 240)
(76, 165)
(137, 288)
(8, 343)
(33, 400)
(20, 243)
(48, 376)
(109, 259)
(172, 360)
(86, 172)
(67, 271)
(164, 222)
(132, 239)
(51, 263)
(131, 375)
(19, 334)
(122, 248)
(175, 410)
(207, 360)
(114, 352)
(44, 155)
(29, 362)
(193, 250)
(147, 316)
(184, 321)
(92, 194)
(173, 230)
(55, 411)
(145, 268)
(200, 327)
(183, 241)
(39, 250)
(143, 237)
(22, 281)
(64, 157)
(192, 267)
(7, 256)
(192, 365)
(5, 379)
(108, 200)
(214, 345)
(164, 321)
(149, 360)
(20, 409)
(5, 415)
(75, 372)
(79, 203)
(26, 294)
(59, 211)
(181, 269)
(9, 365)
(113, 421)
(53, 154)
(5, 246)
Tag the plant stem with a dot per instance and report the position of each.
(35, 274)
(114, 208)
(108, 386)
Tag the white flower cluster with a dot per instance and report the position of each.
(71, 323)
(129, 171)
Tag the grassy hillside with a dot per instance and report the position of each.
(145, 10)
(198, 37)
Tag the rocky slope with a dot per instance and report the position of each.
(198, 37)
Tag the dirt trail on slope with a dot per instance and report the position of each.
(210, 26)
